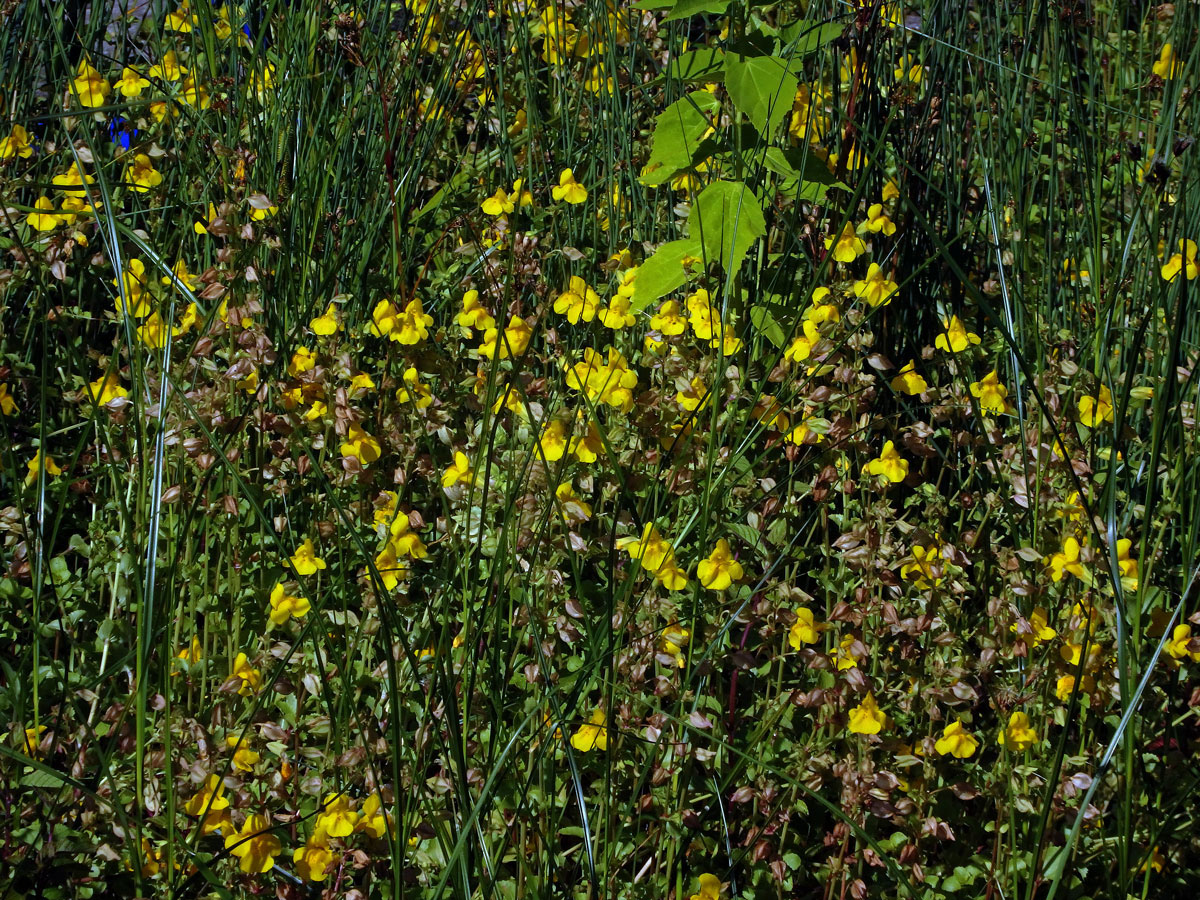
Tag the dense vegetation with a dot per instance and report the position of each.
(704, 449)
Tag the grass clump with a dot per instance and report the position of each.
(693, 449)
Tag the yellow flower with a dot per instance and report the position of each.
(805, 630)
(312, 860)
(588, 446)
(956, 742)
(249, 384)
(889, 464)
(1017, 736)
(413, 390)
(710, 888)
(16, 144)
(131, 83)
(1038, 631)
(192, 653)
(373, 821)
(1168, 65)
(405, 541)
(1127, 565)
(569, 189)
(195, 95)
(326, 323)
(846, 246)
(599, 81)
(31, 741)
(867, 718)
(338, 819)
(617, 315)
(891, 190)
(878, 221)
(413, 324)
(1184, 261)
(1066, 560)
(474, 315)
(8, 405)
(844, 656)
(592, 735)
(360, 445)
(209, 799)
(802, 345)
(577, 302)
(153, 332)
(249, 677)
(73, 180)
(303, 360)
(553, 441)
(502, 202)
(133, 280)
(168, 68)
(36, 465)
(992, 395)
(513, 341)
(106, 389)
(90, 86)
(254, 846)
(43, 217)
(1094, 409)
(460, 472)
(672, 641)
(574, 509)
(305, 560)
(876, 288)
(668, 321)
(956, 338)
(800, 433)
(498, 204)
(608, 381)
(695, 396)
(921, 570)
(669, 575)
(1180, 644)
(244, 759)
(391, 569)
(652, 549)
(720, 569)
(907, 70)
(284, 605)
(909, 381)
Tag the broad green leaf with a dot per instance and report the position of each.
(678, 131)
(806, 36)
(804, 174)
(704, 64)
(685, 9)
(727, 219)
(664, 271)
(765, 323)
(762, 87)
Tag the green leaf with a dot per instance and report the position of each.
(677, 133)
(764, 322)
(41, 779)
(805, 36)
(762, 87)
(704, 64)
(727, 219)
(804, 173)
(685, 9)
(663, 272)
